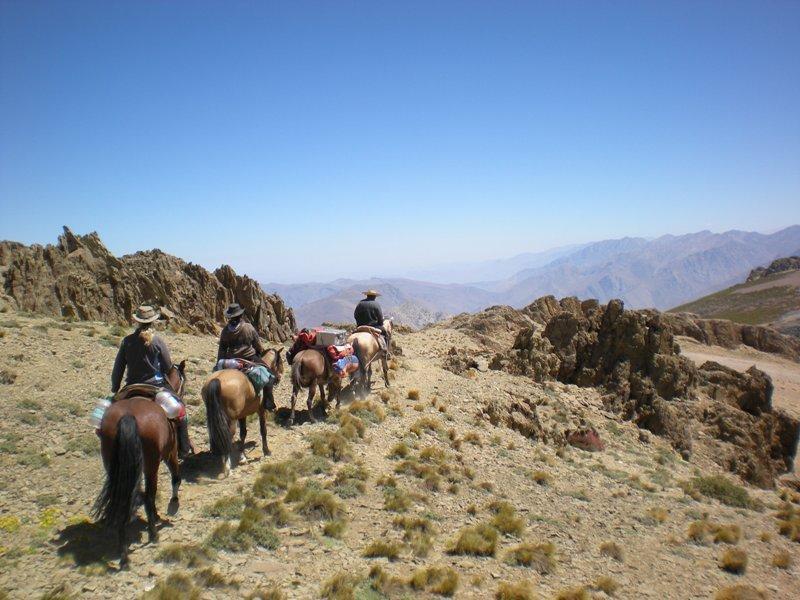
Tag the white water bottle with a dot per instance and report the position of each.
(100, 407)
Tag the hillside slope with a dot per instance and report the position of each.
(770, 296)
(628, 517)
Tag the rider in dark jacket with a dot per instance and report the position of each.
(239, 339)
(368, 312)
(146, 358)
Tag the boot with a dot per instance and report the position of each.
(269, 400)
(185, 447)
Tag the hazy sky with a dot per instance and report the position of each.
(310, 140)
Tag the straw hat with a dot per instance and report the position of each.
(146, 314)
(371, 293)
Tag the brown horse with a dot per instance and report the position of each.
(135, 436)
(312, 370)
(368, 350)
(230, 397)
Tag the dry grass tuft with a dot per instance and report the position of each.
(540, 557)
(314, 502)
(382, 549)
(367, 410)
(437, 580)
(704, 531)
(474, 438)
(520, 590)
(782, 559)
(505, 518)
(413, 394)
(330, 444)
(227, 508)
(190, 555)
(480, 540)
(335, 529)
(425, 424)
(272, 593)
(723, 489)
(789, 521)
(350, 481)
(178, 586)
(740, 591)
(396, 499)
(341, 586)
(657, 515)
(733, 560)
(417, 532)
(575, 593)
(399, 450)
(611, 550)
(606, 584)
(351, 427)
(542, 477)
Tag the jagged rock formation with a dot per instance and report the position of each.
(79, 278)
(721, 332)
(780, 265)
(633, 357)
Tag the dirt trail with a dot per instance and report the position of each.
(52, 473)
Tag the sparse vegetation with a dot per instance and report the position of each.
(505, 518)
(228, 507)
(350, 481)
(341, 586)
(606, 584)
(189, 555)
(540, 557)
(382, 548)
(480, 540)
(330, 444)
(722, 489)
(740, 591)
(520, 590)
(7, 376)
(611, 550)
(313, 502)
(782, 559)
(436, 580)
(575, 593)
(733, 560)
(335, 528)
(399, 450)
(413, 394)
(425, 424)
(176, 586)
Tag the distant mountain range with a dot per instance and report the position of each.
(659, 273)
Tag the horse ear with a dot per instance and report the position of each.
(279, 350)
(182, 366)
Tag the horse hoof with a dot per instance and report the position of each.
(267, 452)
(124, 565)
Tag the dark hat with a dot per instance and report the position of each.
(233, 310)
(146, 314)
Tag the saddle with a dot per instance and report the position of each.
(376, 333)
(136, 389)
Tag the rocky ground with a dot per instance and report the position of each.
(631, 520)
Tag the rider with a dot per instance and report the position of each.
(147, 359)
(239, 339)
(368, 312)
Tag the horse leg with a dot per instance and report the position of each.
(295, 389)
(262, 424)
(242, 436)
(150, 485)
(322, 395)
(312, 391)
(174, 469)
(385, 367)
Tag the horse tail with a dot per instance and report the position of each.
(219, 426)
(116, 502)
(297, 367)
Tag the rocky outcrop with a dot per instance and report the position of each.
(721, 332)
(79, 278)
(494, 328)
(780, 265)
(633, 357)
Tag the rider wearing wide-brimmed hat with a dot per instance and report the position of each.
(369, 312)
(147, 359)
(239, 339)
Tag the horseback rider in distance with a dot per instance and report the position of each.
(368, 312)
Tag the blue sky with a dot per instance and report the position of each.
(311, 140)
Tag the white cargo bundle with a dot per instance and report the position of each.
(327, 336)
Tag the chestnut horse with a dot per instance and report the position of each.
(311, 369)
(230, 397)
(368, 350)
(135, 436)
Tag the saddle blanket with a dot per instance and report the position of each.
(258, 375)
(345, 365)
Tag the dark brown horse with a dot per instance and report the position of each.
(230, 397)
(312, 370)
(135, 436)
